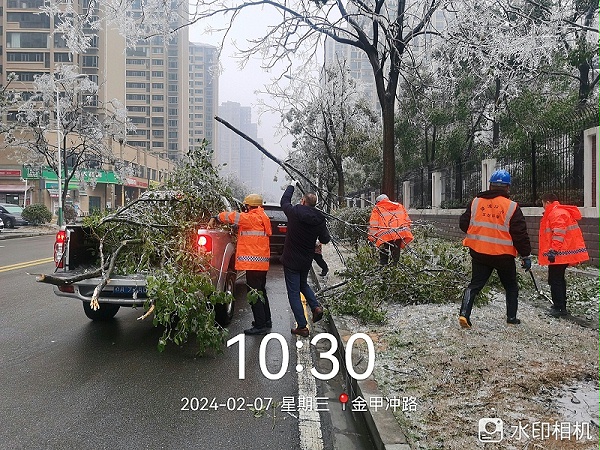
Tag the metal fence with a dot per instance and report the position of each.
(553, 162)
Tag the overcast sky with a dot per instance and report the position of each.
(241, 86)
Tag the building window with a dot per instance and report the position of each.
(29, 19)
(141, 97)
(25, 57)
(131, 85)
(136, 73)
(136, 62)
(158, 85)
(62, 57)
(28, 76)
(158, 109)
(158, 98)
(27, 40)
(158, 62)
(89, 61)
(158, 74)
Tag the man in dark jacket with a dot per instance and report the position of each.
(496, 232)
(305, 225)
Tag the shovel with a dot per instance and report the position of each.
(537, 288)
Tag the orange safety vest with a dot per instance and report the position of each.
(488, 231)
(559, 231)
(389, 221)
(254, 228)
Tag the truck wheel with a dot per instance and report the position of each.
(224, 312)
(106, 312)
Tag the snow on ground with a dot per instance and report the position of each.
(540, 377)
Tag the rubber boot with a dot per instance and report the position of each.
(465, 309)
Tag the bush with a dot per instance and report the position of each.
(37, 214)
(351, 225)
(431, 270)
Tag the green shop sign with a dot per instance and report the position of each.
(101, 176)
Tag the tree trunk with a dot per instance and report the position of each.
(388, 181)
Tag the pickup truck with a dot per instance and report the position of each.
(76, 253)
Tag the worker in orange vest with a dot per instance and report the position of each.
(561, 245)
(252, 255)
(496, 232)
(389, 228)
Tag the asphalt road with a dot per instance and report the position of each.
(68, 382)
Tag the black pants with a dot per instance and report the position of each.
(257, 279)
(558, 285)
(482, 268)
(321, 262)
(388, 249)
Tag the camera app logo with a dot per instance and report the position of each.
(491, 429)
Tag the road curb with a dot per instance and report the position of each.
(381, 423)
(15, 235)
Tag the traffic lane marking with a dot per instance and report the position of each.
(22, 265)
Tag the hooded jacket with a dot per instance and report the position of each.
(389, 221)
(514, 230)
(560, 232)
(305, 225)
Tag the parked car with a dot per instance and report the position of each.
(278, 226)
(11, 215)
(1, 225)
(9, 220)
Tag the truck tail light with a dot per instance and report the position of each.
(204, 241)
(282, 228)
(59, 248)
(68, 289)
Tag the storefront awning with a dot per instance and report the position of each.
(14, 188)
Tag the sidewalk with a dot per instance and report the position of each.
(28, 231)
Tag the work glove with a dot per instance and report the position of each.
(526, 263)
(211, 223)
(294, 183)
(551, 255)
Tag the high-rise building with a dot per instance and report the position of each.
(157, 93)
(151, 80)
(242, 160)
(203, 93)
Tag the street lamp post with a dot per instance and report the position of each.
(59, 138)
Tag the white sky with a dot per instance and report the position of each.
(241, 85)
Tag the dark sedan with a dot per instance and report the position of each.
(278, 227)
(11, 215)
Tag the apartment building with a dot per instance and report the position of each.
(151, 80)
(203, 94)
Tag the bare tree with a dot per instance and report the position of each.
(58, 120)
(333, 124)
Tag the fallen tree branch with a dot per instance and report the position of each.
(106, 274)
(63, 281)
(147, 313)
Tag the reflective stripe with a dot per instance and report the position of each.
(252, 233)
(493, 226)
(491, 240)
(253, 258)
(509, 213)
(558, 238)
(238, 216)
(573, 227)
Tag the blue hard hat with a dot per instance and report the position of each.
(500, 177)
